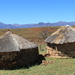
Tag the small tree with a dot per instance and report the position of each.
(45, 32)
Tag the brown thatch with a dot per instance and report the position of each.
(16, 51)
(62, 42)
(65, 34)
(11, 42)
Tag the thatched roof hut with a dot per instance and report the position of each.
(16, 51)
(63, 40)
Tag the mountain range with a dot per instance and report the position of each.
(40, 24)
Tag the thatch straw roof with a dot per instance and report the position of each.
(12, 42)
(65, 34)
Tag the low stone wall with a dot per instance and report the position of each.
(24, 58)
(63, 50)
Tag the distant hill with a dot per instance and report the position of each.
(40, 24)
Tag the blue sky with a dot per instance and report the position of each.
(35, 11)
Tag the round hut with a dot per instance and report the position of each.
(16, 51)
(62, 42)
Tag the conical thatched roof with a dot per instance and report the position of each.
(65, 34)
(12, 42)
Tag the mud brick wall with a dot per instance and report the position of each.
(24, 58)
(27, 57)
(66, 49)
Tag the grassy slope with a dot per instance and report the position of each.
(59, 67)
(32, 34)
(27, 32)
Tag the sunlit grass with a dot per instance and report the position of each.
(59, 67)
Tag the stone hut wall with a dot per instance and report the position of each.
(24, 58)
(66, 49)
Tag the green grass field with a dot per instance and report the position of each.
(59, 67)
